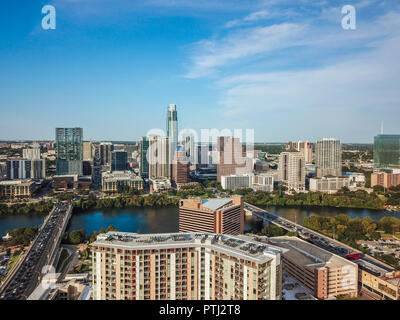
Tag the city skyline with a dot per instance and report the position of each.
(264, 65)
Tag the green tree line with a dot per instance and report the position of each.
(342, 199)
(26, 208)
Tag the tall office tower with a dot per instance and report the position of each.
(190, 147)
(69, 151)
(224, 215)
(119, 160)
(158, 156)
(387, 151)
(184, 266)
(292, 171)
(328, 157)
(172, 123)
(180, 168)
(31, 154)
(305, 148)
(25, 169)
(232, 159)
(144, 163)
(105, 150)
(172, 130)
(88, 151)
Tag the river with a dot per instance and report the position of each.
(154, 220)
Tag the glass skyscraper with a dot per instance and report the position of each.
(172, 130)
(387, 151)
(172, 123)
(69, 151)
(119, 160)
(144, 163)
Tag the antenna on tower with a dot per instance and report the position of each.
(382, 127)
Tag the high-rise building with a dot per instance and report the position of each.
(105, 150)
(144, 163)
(387, 151)
(88, 151)
(69, 151)
(184, 266)
(190, 147)
(25, 169)
(232, 159)
(304, 147)
(119, 160)
(328, 157)
(224, 215)
(172, 130)
(292, 170)
(180, 168)
(31, 154)
(158, 156)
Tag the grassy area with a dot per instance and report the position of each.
(83, 268)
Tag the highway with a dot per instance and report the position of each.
(314, 237)
(43, 251)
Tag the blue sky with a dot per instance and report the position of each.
(285, 68)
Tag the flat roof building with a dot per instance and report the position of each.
(184, 266)
(329, 184)
(117, 181)
(326, 274)
(222, 215)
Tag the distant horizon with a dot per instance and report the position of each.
(134, 141)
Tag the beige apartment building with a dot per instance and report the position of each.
(385, 179)
(222, 215)
(292, 170)
(184, 266)
(232, 159)
(327, 275)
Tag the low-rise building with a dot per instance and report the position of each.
(262, 182)
(378, 283)
(118, 180)
(326, 274)
(160, 184)
(234, 182)
(356, 179)
(328, 184)
(17, 189)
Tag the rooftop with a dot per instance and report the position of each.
(239, 246)
(215, 204)
(309, 255)
(211, 204)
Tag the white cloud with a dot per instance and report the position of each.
(241, 44)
